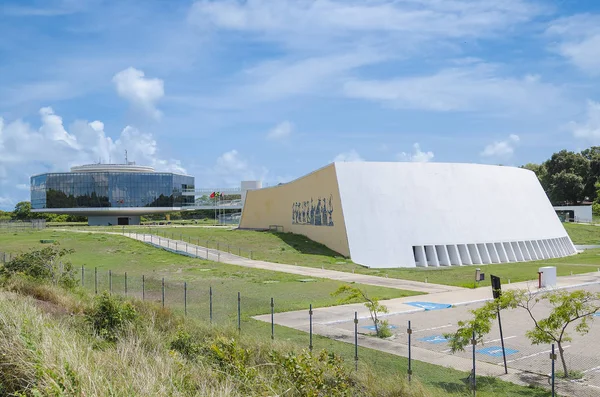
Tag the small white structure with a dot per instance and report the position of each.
(575, 213)
(387, 215)
(547, 276)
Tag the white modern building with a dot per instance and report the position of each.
(387, 215)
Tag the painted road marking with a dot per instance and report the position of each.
(496, 351)
(372, 327)
(431, 329)
(597, 314)
(485, 342)
(429, 305)
(591, 370)
(435, 339)
(531, 355)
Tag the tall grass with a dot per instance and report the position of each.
(47, 348)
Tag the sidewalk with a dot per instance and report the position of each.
(201, 252)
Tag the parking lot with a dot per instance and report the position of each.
(582, 354)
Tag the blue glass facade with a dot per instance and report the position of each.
(110, 189)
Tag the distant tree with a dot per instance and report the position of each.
(22, 211)
(566, 188)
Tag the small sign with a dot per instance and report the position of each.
(496, 286)
(435, 339)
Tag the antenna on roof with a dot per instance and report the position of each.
(126, 162)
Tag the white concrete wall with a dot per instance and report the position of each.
(583, 213)
(467, 210)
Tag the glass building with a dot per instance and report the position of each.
(111, 194)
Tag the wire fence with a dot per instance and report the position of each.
(415, 339)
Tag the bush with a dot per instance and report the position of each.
(43, 265)
(109, 316)
(185, 345)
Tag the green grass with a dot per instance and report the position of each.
(583, 234)
(120, 254)
(62, 352)
(297, 249)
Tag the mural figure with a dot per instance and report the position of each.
(316, 211)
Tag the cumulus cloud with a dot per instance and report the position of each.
(140, 91)
(230, 168)
(26, 150)
(503, 148)
(590, 128)
(281, 131)
(417, 155)
(351, 155)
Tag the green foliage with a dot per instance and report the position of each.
(186, 345)
(44, 265)
(354, 294)
(568, 308)
(323, 375)
(22, 211)
(110, 316)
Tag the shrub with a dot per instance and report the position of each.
(185, 345)
(43, 265)
(109, 316)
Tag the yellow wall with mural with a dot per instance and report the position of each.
(310, 206)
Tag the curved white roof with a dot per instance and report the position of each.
(112, 168)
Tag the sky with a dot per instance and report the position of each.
(231, 90)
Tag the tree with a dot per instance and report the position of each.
(22, 211)
(44, 265)
(568, 308)
(566, 187)
(353, 294)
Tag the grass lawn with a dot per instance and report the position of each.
(296, 249)
(583, 234)
(119, 254)
(115, 253)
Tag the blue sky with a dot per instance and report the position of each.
(229, 90)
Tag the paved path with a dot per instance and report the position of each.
(199, 251)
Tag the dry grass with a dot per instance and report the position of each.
(55, 353)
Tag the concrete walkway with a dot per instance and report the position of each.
(194, 250)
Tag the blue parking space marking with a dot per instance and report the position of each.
(372, 327)
(597, 314)
(429, 305)
(435, 339)
(496, 351)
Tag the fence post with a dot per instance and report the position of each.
(218, 246)
(474, 380)
(310, 314)
(239, 252)
(197, 252)
(210, 306)
(239, 313)
(409, 332)
(272, 319)
(553, 358)
(250, 254)
(82, 276)
(185, 297)
(356, 341)
(96, 280)
(125, 283)
(163, 292)
(143, 287)
(110, 282)
(218, 256)
(206, 253)
(176, 243)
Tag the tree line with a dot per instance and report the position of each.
(571, 178)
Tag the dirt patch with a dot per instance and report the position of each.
(51, 308)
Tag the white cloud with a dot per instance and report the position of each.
(590, 128)
(469, 88)
(502, 149)
(281, 131)
(289, 19)
(351, 155)
(578, 40)
(25, 150)
(141, 92)
(231, 168)
(417, 155)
